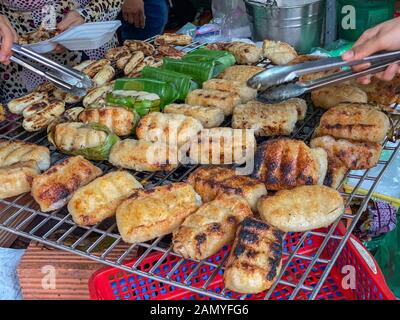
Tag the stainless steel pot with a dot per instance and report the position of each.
(299, 23)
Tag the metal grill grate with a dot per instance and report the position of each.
(98, 242)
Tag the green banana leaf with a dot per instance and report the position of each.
(133, 103)
(166, 91)
(95, 153)
(199, 71)
(182, 82)
(221, 59)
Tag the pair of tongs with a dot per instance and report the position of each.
(280, 83)
(64, 77)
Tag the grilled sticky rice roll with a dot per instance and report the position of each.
(240, 73)
(116, 53)
(301, 209)
(104, 76)
(210, 182)
(245, 53)
(354, 121)
(38, 119)
(335, 174)
(148, 214)
(352, 154)
(138, 45)
(97, 93)
(16, 178)
(18, 105)
(331, 96)
(93, 68)
(255, 259)
(54, 187)
(173, 39)
(246, 93)
(210, 117)
(278, 52)
(176, 129)
(119, 120)
(314, 75)
(143, 155)
(265, 119)
(19, 151)
(214, 98)
(285, 163)
(99, 199)
(212, 226)
(136, 59)
(92, 140)
(223, 146)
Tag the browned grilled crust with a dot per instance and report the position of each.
(285, 163)
(352, 154)
(255, 243)
(212, 226)
(335, 174)
(354, 121)
(138, 45)
(173, 39)
(211, 181)
(54, 187)
(314, 75)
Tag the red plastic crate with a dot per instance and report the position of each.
(115, 284)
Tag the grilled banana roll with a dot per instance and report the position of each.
(39, 116)
(54, 187)
(240, 73)
(213, 225)
(255, 259)
(331, 96)
(246, 93)
(100, 198)
(148, 214)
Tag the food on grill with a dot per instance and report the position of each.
(278, 52)
(96, 66)
(117, 53)
(138, 45)
(286, 163)
(66, 97)
(245, 53)
(210, 182)
(143, 155)
(41, 34)
(122, 61)
(223, 146)
(95, 95)
(168, 51)
(18, 105)
(82, 65)
(301, 209)
(210, 117)
(213, 225)
(314, 75)
(104, 76)
(16, 178)
(173, 39)
(266, 119)
(136, 70)
(148, 214)
(254, 262)
(236, 87)
(35, 107)
(214, 98)
(100, 198)
(92, 140)
(331, 96)
(54, 187)
(176, 129)
(354, 121)
(41, 115)
(141, 102)
(137, 57)
(45, 87)
(240, 73)
(119, 120)
(335, 174)
(19, 151)
(352, 154)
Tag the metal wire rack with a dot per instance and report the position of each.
(57, 229)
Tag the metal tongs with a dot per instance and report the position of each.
(66, 78)
(280, 83)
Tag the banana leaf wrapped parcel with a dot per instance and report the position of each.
(91, 140)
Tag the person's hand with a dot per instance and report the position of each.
(8, 36)
(383, 37)
(133, 13)
(73, 18)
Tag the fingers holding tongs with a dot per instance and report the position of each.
(64, 77)
(280, 83)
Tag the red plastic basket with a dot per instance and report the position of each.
(115, 284)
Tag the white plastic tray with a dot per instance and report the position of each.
(83, 37)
